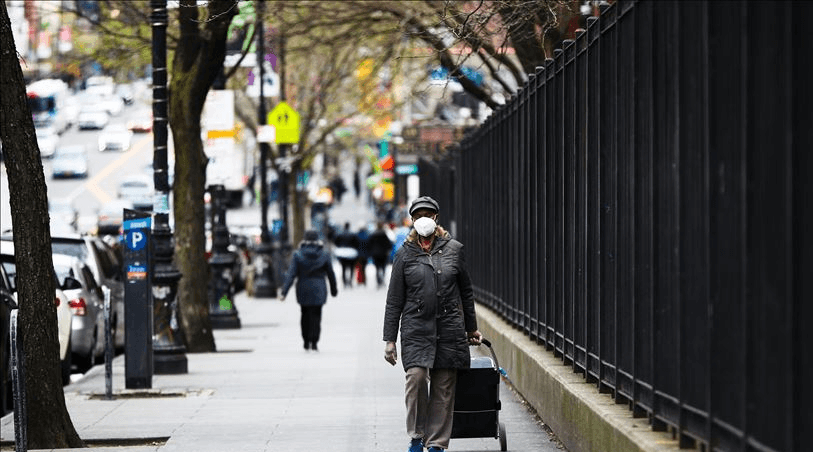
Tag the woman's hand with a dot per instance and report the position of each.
(391, 353)
(475, 337)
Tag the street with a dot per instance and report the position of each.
(105, 170)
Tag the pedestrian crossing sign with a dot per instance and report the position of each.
(286, 122)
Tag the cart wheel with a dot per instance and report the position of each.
(503, 439)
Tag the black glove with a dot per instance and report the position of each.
(334, 292)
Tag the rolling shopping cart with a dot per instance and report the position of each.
(477, 400)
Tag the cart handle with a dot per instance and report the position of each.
(487, 343)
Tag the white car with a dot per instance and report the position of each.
(95, 117)
(70, 161)
(115, 137)
(86, 302)
(138, 189)
(64, 316)
(47, 139)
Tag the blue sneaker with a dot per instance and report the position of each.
(416, 445)
(435, 449)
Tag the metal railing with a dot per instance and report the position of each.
(642, 209)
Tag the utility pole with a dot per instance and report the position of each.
(169, 353)
(264, 283)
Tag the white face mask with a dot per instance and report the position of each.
(425, 226)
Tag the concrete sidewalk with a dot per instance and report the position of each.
(261, 391)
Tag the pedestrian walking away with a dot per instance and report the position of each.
(310, 265)
(430, 296)
(380, 248)
(347, 251)
(364, 254)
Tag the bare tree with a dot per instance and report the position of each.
(49, 424)
(326, 42)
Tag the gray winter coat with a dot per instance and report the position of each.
(430, 295)
(309, 267)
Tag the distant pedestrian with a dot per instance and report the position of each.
(338, 187)
(356, 183)
(364, 254)
(401, 234)
(380, 248)
(310, 265)
(346, 251)
(430, 296)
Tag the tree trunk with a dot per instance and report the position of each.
(198, 59)
(49, 424)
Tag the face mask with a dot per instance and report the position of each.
(425, 226)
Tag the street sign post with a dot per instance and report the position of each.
(138, 322)
(286, 121)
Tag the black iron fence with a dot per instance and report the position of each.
(642, 209)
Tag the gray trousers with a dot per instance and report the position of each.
(429, 397)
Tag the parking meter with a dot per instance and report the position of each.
(138, 323)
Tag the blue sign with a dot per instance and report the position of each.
(138, 223)
(135, 239)
(406, 169)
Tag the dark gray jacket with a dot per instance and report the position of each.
(430, 295)
(309, 267)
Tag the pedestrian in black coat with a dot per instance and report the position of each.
(310, 265)
(347, 251)
(431, 297)
(380, 247)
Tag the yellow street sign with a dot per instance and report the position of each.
(286, 121)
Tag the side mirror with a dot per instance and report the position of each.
(70, 283)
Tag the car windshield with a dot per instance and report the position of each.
(63, 271)
(75, 249)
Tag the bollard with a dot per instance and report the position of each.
(108, 347)
(18, 387)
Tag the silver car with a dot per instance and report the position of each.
(105, 264)
(138, 189)
(115, 137)
(47, 140)
(86, 303)
(70, 161)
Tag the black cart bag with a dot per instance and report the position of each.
(477, 400)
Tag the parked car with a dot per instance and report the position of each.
(105, 265)
(93, 117)
(86, 302)
(7, 302)
(110, 217)
(47, 140)
(115, 137)
(70, 161)
(8, 281)
(137, 188)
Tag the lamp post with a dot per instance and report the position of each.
(264, 283)
(169, 353)
(222, 311)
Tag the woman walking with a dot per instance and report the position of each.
(430, 296)
(310, 265)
